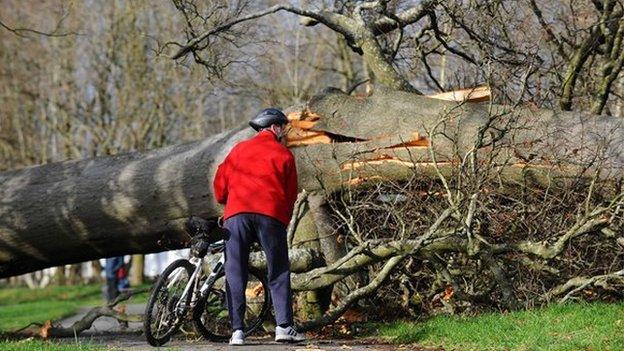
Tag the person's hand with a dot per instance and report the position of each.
(220, 221)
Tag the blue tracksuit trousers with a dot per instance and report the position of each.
(244, 229)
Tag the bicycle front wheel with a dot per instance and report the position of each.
(211, 317)
(160, 315)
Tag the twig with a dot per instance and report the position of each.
(296, 216)
(335, 313)
(581, 283)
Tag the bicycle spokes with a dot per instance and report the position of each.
(169, 307)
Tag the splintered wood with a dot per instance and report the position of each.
(416, 141)
(477, 94)
(300, 133)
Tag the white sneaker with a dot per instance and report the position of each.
(288, 335)
(238, 338)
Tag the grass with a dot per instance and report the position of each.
(41, 345)
(22, 306)
(587, 326)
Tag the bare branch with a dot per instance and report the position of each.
(333, 314)
(405, 18)
(438, 34)
(19, 31)
(550, 34)
(335, 21)
(296, 216)
(50, 329)
(579, 283)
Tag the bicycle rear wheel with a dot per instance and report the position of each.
(160, 315)
(211, 317)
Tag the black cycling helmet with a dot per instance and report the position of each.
(267, 117)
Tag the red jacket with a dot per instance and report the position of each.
(258, 176)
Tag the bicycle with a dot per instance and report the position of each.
(183, 293)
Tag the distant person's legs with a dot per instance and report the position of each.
(123, 284)
(111, 267)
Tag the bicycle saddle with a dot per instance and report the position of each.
(207, 229)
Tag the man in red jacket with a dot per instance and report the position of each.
(257, 182)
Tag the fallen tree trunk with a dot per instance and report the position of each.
(81, 210)
(76, 211)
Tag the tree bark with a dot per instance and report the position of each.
(136, 270)
(384, 72)
(74, 211)
(59, 275)
(331, 249)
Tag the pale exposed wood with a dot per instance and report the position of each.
(477, 94)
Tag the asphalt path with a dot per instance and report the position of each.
(107, 332)
(136, 342)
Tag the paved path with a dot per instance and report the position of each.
(106, 332)
(136, 342)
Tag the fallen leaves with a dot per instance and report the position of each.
(255, 291)
(448, 293)
(44, 331)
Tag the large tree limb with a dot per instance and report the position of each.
(550, 251)
(137, 202)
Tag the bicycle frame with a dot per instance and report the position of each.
(193, 282)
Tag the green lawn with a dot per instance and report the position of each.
(595, 326)
(22, 306)
(40, 345)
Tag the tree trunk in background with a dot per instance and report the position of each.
(619, 106)
(68, 212)
(97, 272)
(75, 274)
(59, 275)
(384, 72)
(136, 270)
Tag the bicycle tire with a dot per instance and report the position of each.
(222, 332)
(153, 302)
